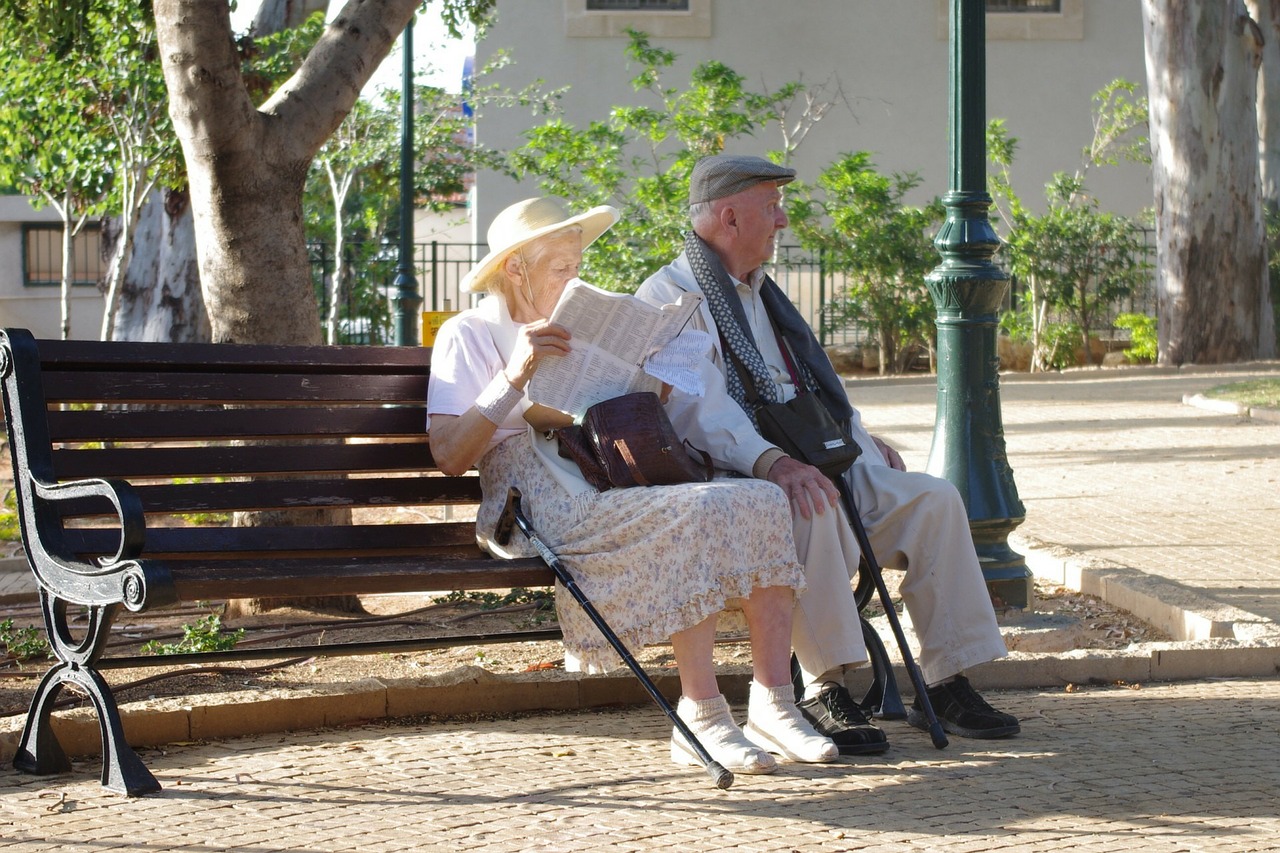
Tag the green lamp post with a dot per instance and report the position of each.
(968, 289)
(407, 302)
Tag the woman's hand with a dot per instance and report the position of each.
(536, 341)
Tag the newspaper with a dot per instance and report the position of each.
(614, 334)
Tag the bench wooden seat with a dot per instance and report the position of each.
(121, 451)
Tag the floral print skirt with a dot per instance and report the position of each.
(653, 560)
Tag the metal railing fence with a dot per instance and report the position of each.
(440, 267)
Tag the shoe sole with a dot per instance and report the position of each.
(873, 748)
(767, 743)
(918, 720)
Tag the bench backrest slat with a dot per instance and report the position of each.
(388, 539)
(230, 389)
(252, 460)
(293, 494)
(141, 424)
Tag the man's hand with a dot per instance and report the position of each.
(805, 485)
(890, 455)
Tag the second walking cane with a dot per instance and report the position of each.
(513, 514)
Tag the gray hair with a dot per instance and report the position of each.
(701, 214)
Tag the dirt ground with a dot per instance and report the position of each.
(413, 617)
(392, 617)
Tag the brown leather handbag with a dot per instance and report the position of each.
(629, 441)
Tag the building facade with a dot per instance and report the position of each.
(31, 272)
(889, 58)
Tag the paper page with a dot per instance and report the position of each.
(613, 334)
(677, 363)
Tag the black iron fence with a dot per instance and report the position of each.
(365, 316)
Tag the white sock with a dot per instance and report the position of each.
(713, 726)
(835, 674)
(774, 723)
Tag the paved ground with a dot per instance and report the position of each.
(1172, 507)
(1188, 766)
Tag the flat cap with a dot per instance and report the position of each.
(723, 175)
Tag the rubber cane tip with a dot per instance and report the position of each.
(938, 735)
(723, 778)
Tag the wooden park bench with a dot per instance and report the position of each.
(119, 448)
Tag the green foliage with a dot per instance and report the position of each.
(639, 159)
(1057, 342)
(1119, 126)
(1142, 336)
(1075, 259)
(267, 61)
(204, 636)
(1080, 260)
(1255, 393)
(22, 643)
(543, 597)
(856, 219)
(10, 529)
(352, 198)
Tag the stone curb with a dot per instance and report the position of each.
(1213, 641)
(471, 690)
(1230, 407)
(1079, 373)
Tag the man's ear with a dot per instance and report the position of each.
(729, 218)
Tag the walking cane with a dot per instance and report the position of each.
(936, 732)
(512, 513)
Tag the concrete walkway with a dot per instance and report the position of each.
(1166, 508)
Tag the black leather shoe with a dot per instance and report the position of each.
(834, 714)
(963, 712)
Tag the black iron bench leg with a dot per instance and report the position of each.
(40, 753)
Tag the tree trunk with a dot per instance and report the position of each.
(276, 15)
(247, 165)
(68, 273)
(1266, 14)
(1211, 273)
(160, 298)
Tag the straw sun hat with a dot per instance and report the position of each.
(526, 221)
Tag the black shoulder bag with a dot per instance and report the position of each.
(802, 427)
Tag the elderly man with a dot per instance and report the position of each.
(915, 521)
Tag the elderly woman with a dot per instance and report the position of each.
(658, 562)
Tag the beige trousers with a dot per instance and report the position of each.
(915, 522)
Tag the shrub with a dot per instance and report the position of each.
(1142, 336)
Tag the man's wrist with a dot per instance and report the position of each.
(766, 462)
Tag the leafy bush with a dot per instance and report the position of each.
(10, 530)
(23, 643)
(1142, 336)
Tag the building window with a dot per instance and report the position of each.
(658, 18)
(42, 255)
(1002, 6)
(1025, 20)
(637, 5)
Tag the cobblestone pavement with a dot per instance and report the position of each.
(1162, 767)
(1114, 466)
